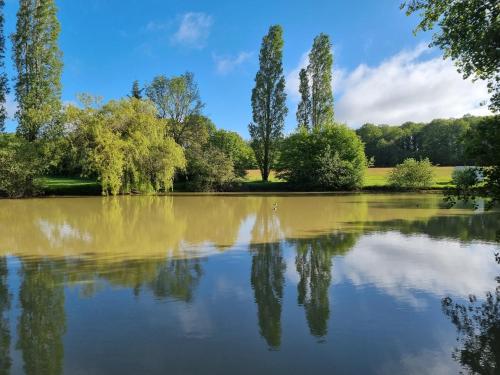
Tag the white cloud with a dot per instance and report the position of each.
(226, 64)
(193, 30)
(404, 87)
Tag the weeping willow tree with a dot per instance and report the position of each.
(124, 144)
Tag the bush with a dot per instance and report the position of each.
(412, 174)
(332, 158)
(236, 148)
(20, 166)
(465, 183)
(209, 169)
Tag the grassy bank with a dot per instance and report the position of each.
(375, 179)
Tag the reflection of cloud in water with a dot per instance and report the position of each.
(426, 362)
(57, 233)
(195, 320)
(402, 266)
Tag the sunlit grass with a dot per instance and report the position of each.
(373, 177)
(378, 176)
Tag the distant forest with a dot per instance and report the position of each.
(443, 141)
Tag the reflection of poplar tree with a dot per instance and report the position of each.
(267, 282)
(5, 361)
(267, 276)
(43, 322)
(314, 267)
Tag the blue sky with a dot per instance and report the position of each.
(383, 73)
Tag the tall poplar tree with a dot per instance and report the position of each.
(38, 61)
(320, 73)
(268, 101)
(304, 107)
(4, 88)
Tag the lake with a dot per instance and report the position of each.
(259, 284)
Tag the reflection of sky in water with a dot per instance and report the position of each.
(404, 266)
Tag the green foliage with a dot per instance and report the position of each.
(209, 169)
(465, 185)
(123, 143)
(468, 33)
(20, 165)
(320, 73)
(236, 148)
(304, 107)
(330, 158)
(268, 101)
(4, 87)
(177, 100)
(441, 140)
(412, 174)
(39, 65)
(482, 146)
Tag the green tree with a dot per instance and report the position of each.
(331, 158)
(268, 101)
(320, 73)
(234, 146)
(304, 107)
(468, 33)
(136, 90)
(4, 88)
(123, 143)
(482, 142)
(20, 165)
(177, 100)
(39, 65)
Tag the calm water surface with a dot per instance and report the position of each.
(350, 284)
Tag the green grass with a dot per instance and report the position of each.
(70, 186)
(375, 178)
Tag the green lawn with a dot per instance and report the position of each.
(375, 178)
(70, 186)
(378, 177)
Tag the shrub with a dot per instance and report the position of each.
(465, 183)
(332, 158)
(209, 169)
(20, 166)
(412, 174)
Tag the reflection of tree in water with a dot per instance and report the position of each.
(166, 278)
(267, 281)
(177, 279)
(478, 326)
(480, 226)
(267, 278)
(5, 361)
(42, 322)
(314, 264)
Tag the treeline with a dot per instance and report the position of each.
(442, 141)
